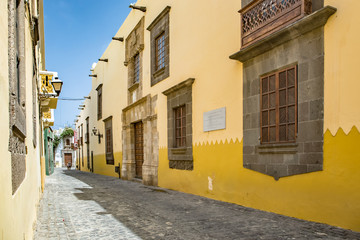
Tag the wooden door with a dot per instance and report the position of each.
(68, 158)
(139, 149)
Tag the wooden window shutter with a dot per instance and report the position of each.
(278, 104)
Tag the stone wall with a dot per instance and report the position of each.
(306, 154)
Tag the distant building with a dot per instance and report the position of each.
(58, 156)
(67, 152)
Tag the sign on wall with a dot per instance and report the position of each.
(214, 120)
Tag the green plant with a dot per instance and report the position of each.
(68, 132)
(56, 141)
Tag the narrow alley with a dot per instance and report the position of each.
(80, 205)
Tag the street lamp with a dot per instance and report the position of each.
(57, 85)
(96, 132)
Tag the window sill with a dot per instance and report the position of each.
(159, 72)
(277, 148)
(178, 151)
(133, 87)
(110, 162)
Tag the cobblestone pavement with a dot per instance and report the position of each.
(78, 205)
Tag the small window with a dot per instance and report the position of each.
(99, 102)
(279, 106)
(180, 126)
(159, 44)
(109, 142)
(137, 68)
(67, 142)
(160, 51)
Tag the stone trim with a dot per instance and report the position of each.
(108, 118)
(186, 83)
(134, 44)
(179, 95)
(143, 110)
(159, 26)
(133, 87)
(301, 27)
(17, 89)
(147, 97)
(158, 18)
(99, 86)
(289, 148)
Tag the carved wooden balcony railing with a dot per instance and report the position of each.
(263, 17)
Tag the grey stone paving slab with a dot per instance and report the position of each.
(79, 205)
(62, 215)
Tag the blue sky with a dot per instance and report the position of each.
(77, 32)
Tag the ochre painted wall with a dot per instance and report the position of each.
(342, 50)
(331, 196)
(100, 166)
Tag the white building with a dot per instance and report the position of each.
(65, 151)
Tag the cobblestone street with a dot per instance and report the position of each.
(79, 205)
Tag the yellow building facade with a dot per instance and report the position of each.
(182, 99)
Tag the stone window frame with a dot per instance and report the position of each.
(109, 142)
(99, 101)
(134, 46)
(180, 95)
(87, 140)
(276, 106)
(34, 105)
(158, 27)
(17, 90)
(79, 146)
(82, 146)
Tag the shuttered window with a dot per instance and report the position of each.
(109, 141)
(99, 102)
(160, 51)
(278, 104)
(180, 126)
(137, 68)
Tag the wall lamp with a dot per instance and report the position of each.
(93, 75)
(121, 39)
(96, 132)
(143, 9)
(103, 59)
(57, 84)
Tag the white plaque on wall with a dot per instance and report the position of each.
(215, 119)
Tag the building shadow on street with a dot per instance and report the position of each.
(156, 213)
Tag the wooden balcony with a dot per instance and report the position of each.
(260, 18)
